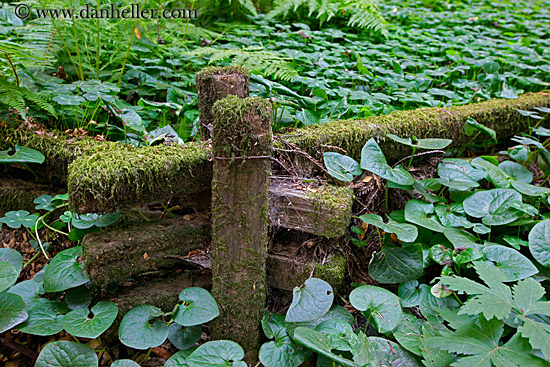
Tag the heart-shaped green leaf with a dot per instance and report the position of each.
(396, 264)
(124, 363)
(373, 160)
(381, 307)
(179, 358)
(137, 331)
(421, 213)
(384, 352)
(320, 343)
(493, 206)
(519, 152)
(64, 271)
(458, 174)
(69, 100)
(472, 126)
(8, 275)
(341, 166)
(310, 301)
(513, 264)
(80, 325)
(219, 353)
(452, 215)
(16, 219)
(184, 337)
(516, 171)
(495, 175)
(67, 354)
(13, 311)
(13, 257)
(198, 307)
(45, 318)
(21, 155)
(339, 333)
(411, 293)
(461, 238)
(539, 242)
(30, 290)
(530, 190)
(404, 232)
(429, 143)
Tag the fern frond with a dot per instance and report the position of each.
(252, 58)
(362, 13)
(16, 98)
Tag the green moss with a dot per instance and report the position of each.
(337, 201)
(333, 272)
(210, 71)
(234, 131)
(117, 173)
(448, 122)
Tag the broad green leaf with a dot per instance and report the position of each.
(69, 100)
(339, 333)
(184, 337)
(539, 242)
(80, 325)
(430, 143)
(466, 255)
(16, 219)
(66, 354)
(30, 290)
(382, 352)
(13, 311)
(373, 160)
(45, 318)
(495, 175)
(13, 257)
(397, 264)
(138, 331)
(519, 153)
(513, 264)
(530, 190)
(381, 307)
(64, 271)
(219, 353)
(21, 155)
(404, 232)
(493, 206)
(452, 215)
(341, 166)
(515, 242)
(124, 363)
(409, 333)
(310, 301)
(441, 255)
(8, 275)
(543, 161)
(179, 358)
(85, 221)
(321, 344)
(411, 293)
(198, 307)
(283, 352)
(472, 126)
(422, 214)
(78, 297)
(517, 171)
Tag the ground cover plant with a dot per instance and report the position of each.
(458, 268)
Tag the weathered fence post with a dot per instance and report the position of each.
(213, 84)
(241, 147)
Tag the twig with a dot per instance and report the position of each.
(19, 348)
(419, 154)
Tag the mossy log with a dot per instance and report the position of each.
(120, 175)
(119, 254)
(16, 194)
(241, 148)
(215, 83)
(431, 122)
(323, 211)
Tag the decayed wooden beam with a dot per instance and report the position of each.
(323, 211)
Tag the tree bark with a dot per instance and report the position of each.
(215, 83)
(241, 148)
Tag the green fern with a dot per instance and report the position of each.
(362, 13)
(17, 98)
(252, 58)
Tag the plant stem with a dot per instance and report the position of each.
(411, 160)
(31, 260)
